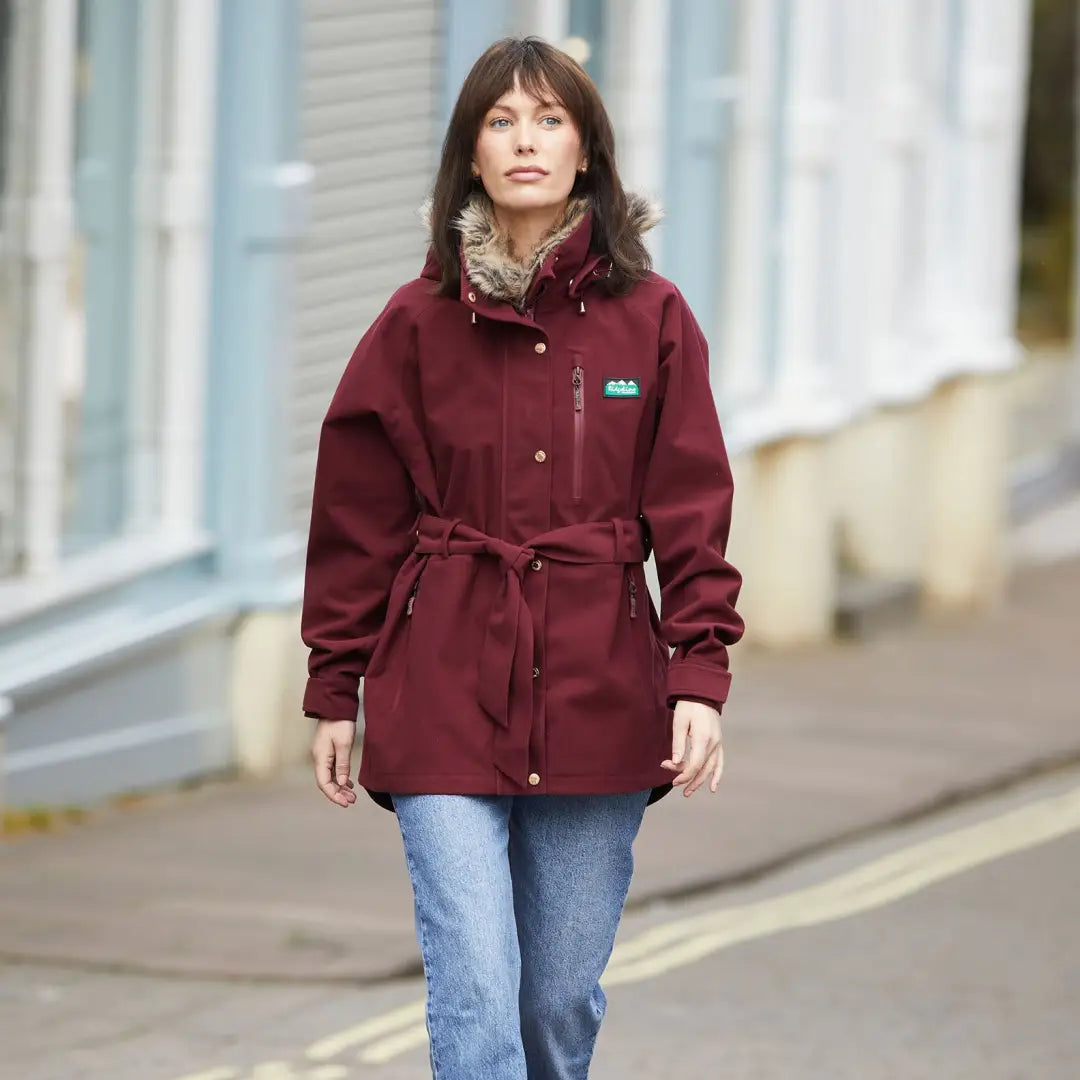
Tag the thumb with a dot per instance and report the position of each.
(341, 762)
(678, 733)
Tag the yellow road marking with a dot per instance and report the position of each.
(379, 1053)
(214, 1074)
(873, 885)
(333, 1045)
(879, 882)
(683, 941)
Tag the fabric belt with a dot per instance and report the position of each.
(505, 690)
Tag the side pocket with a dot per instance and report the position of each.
(385, 670)
(404, 646)
(645, 625)
(578, 383)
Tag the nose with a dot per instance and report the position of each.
(524, 143)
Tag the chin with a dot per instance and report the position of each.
(528, 197)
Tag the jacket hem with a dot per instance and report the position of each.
(380, 788)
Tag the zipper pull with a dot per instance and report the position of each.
(633, 598)
(412, 599)
(579, 376)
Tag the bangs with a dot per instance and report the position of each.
(546, 82)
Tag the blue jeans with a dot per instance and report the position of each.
(517, 900)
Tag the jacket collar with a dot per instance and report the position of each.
(489, 265)
(496, 284)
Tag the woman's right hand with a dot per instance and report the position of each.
(330, 750)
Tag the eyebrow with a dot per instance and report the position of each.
(540, 105)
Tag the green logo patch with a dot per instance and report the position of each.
(622, 388)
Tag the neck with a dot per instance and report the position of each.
(526, 228)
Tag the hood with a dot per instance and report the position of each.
(489, 264)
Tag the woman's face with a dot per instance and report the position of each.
(527, 152)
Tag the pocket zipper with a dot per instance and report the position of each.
(578, 380)
(412, 599)
(633, 596)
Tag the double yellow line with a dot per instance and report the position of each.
(683, 941)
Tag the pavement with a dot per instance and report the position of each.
(267, 881)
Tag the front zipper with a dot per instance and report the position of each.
(633, 596)
(579, 429)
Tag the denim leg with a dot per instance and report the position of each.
(456, 851)
(571, 862)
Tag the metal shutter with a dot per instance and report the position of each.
(369, 115)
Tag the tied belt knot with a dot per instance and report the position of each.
(505, 675)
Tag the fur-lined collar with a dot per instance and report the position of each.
(489, 264)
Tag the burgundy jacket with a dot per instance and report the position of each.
(492, 472)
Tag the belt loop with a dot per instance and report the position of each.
(444, 540)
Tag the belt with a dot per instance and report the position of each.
(505, 686)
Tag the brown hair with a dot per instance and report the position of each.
(541, 70)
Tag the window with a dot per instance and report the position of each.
(703, 89)
(97, 360)
(8, 351)
(102, 332)
(587, 22)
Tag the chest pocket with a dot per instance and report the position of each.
(577, 385)
(607, 404)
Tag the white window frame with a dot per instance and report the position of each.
(166, 514)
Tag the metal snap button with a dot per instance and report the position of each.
(536, 673)
(472, 298)
(540, 347)
(540, 455)
(534, 778)
(536, 564)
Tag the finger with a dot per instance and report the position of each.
(334, 793)
(718, 771)
(706, 770)
(700, 748)
(324, 760)
(324, 778)
(341, 761)
(693, 760)
(342, 755)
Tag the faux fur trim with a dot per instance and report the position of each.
(489, 264)
(645, 212)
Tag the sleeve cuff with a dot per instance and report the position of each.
(697, 682)
(717, 705)
(325, 702)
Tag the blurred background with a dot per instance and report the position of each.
(870, 207)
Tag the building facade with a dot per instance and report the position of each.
(206, 202)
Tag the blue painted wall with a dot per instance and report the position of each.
(260, 194)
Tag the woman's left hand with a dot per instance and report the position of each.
(704, 759)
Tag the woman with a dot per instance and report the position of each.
(516, 431)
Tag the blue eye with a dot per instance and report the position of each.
(499, 120)
(555, 118)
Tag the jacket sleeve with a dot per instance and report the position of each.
(364, 511)
(686, 503)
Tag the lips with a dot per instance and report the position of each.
(525, 173)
